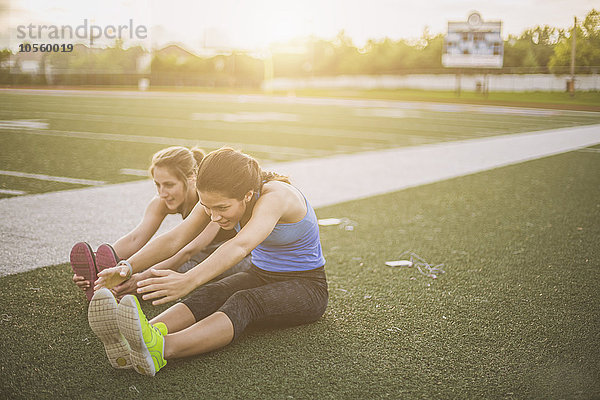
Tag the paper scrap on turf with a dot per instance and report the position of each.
(329, 221)
(399, 263)
(344, 223)
(429, 270)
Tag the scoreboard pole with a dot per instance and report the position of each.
(573, 45)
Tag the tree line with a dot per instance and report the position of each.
(542, 49)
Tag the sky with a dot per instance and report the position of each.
(254, 24)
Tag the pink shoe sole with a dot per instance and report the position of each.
(84, 264)
(105, 257)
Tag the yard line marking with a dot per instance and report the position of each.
(52, 178)
(245, 116)
(9, 191)
(115, 137)
(134, 172)
(589, 150)
(279, 99)
(226, 127)
(456, 126)
(23, 124)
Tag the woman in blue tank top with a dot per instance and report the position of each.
(285, 286)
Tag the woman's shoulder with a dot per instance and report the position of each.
(279, 189)
(289, 198)
(158, 207)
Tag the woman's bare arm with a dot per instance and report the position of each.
(171, 285)
(194, 247)
(157, 250)
(129, 244)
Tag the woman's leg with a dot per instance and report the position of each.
(204, 301)
(207, 299)
(213, 332)
(197, 258)
(176, 318)
(286, 303)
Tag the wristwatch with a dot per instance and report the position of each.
(125, 262)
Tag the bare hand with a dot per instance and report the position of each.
(111, 277)
(81, 282)
(127, 287)
(168, 284)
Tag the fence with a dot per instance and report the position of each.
(471, 82)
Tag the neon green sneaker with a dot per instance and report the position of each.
(147, 342)
(102, 317)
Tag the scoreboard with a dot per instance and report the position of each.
(474, 43)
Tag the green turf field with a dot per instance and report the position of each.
(581, 100)
(516, 315)
(95, 137)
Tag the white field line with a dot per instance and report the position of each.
(245, 116)
(443, 117)
(23, 124)
(114, 137)
(222, 125)
(51, 178)
(287, 129)
(451, 129)
(438, 108)
(9, 191)
(133, 172)
(313, 101)
(593, 150)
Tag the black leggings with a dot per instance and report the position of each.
(273, 298)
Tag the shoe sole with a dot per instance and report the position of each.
(105, 257)
(102, 317)
(130, 326)
(83, 263)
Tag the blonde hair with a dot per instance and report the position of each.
(232, 174)
(180, 161)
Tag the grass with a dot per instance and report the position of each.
(122, 131)
(534, 98)
(515, 315)
(589, 100)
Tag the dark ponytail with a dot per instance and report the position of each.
(232, 174)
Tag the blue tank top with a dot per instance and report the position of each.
(291, 247)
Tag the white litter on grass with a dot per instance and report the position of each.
(399, 263)
(329, 221)
(429, 270)
(343, 223)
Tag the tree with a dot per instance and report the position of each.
(518, 52)
(587, 50)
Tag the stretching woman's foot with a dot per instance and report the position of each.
(102, 317)
(106, 257)
(83, 264)
(147, 341)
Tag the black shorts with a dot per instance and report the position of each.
(255, 295)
